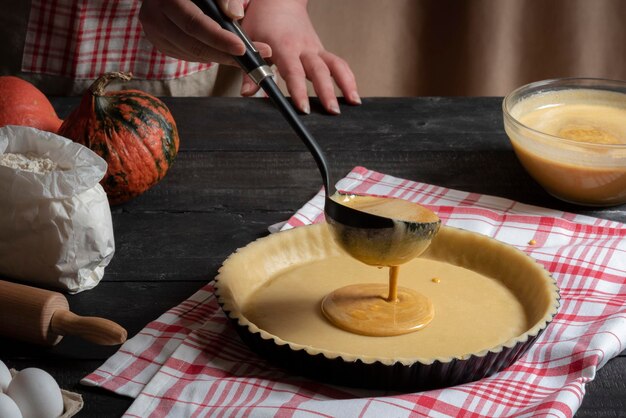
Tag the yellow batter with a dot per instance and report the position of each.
(596, 175)
(378, 309)
(474, 312)
(580, 115)
(388, 207)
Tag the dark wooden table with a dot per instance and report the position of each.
(241, 169)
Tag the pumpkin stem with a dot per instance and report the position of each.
(98, 86)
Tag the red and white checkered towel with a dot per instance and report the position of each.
(190, 361)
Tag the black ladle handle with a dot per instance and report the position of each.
(256, 67)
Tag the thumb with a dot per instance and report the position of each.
(232, 8)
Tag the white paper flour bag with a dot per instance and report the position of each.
(55, 220)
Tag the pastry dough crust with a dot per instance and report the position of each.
(490, 295)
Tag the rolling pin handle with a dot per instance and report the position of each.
(97, 330)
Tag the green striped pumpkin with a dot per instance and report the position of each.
(132, 130)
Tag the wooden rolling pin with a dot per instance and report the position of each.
(43, 317)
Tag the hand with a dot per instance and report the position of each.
(178, 28)
(298, 54)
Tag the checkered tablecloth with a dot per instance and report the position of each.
(190, 361)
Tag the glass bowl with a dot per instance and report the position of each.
(570, 135)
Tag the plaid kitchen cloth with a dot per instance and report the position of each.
(190, 361)
(83, 39)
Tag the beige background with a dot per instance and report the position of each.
(471, 47)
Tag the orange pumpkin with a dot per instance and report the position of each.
(21, 103)
(132, 130)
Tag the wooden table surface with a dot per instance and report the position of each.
(241, 169)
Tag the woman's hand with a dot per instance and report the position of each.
(298, 54)
(178, 28)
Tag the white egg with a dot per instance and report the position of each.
(8, 408)
(5, 377)
(36, 393)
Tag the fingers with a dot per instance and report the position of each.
(248, 87)
(343, 76)
(317, 71)
(323, 69)
(264, 49)
(295, 77)
(175, 43)
(179, 28)
(190, 20)
(232, 8)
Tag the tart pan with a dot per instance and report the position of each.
(251, 268)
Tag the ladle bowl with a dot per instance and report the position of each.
(377, 240)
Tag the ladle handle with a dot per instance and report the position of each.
(256, 67)
(292, 117)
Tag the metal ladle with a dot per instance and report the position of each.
(374, 234)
